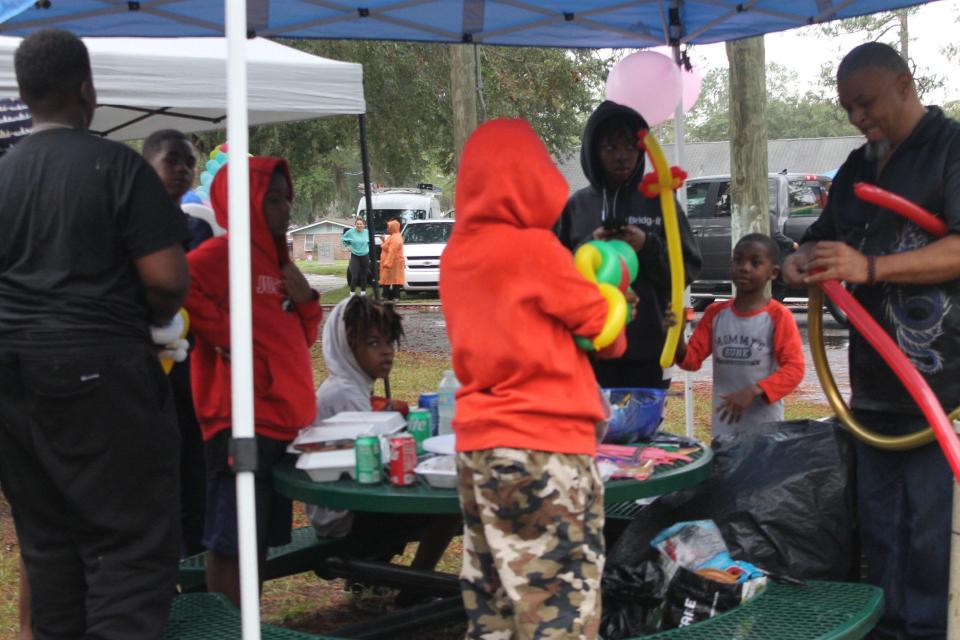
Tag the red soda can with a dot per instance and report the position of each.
(403, 458)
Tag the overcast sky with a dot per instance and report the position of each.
(932, 28)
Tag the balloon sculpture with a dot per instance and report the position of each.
(941, 424)
(218, 158)
(662, 182)
(612, 266)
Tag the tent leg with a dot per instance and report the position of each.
(678, 136)
(241, 316)
(374, 249)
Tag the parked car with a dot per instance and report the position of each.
(795, 202)
(403, 204)
(423, 243)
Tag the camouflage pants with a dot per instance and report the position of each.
(533, 544)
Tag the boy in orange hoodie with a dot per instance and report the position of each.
(531, 497)
(286, 317)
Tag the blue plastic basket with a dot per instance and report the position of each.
(637, 413)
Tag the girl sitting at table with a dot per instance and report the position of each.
(359, 343)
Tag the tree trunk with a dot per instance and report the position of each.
(463, 73)
(904, 36)
(748, 139)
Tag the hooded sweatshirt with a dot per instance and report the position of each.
(391, 256)
(358, 242)
(282, 331)
(589, 207)
(513, 301)
(348, 387)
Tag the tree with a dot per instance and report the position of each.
(409, 116)
(890, 27)
(748, 138)
(789, 114)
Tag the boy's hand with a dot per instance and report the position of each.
(629, 233)
(731, 410)
(632, 301)
(669, 317)
(296, 285)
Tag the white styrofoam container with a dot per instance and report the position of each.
(327, 433)
(376, 422)
(439, 472)
(327, 466)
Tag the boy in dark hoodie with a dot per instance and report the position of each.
(530, 493)
(286, 317)
(611, 207)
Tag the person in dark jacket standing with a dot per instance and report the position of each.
(611, 207)
(909, 282)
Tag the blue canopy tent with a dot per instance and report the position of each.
(537, 23)
(540, 23)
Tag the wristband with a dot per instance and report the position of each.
(871, 270)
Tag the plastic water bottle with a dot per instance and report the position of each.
(447, 402)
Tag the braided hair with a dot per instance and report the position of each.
(363, 315)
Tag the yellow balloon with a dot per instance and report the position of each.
(587, 260)
(674, 250)
(616, 316)
(167, 363)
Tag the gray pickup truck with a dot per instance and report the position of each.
(796, 200)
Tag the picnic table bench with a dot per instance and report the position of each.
(819, 610)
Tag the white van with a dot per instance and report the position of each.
(403, 204)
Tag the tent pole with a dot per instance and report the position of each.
(241, 317)
(678, 136)
(374, 250)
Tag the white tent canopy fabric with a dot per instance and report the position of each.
(146, 84)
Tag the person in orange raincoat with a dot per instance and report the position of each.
(391, 262)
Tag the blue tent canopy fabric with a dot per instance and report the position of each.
(542, 23)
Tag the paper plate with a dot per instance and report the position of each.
(444, 445)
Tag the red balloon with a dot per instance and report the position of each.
(916, 386)
(898, 204)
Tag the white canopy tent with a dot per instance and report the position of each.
(146, 84)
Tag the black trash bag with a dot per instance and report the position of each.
(691, 598)
(631, 600)
(782, 496)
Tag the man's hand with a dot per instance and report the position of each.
(296, 284)
(731, 409)
(796, 265)
(836, 261)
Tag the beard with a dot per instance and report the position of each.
(877, 150)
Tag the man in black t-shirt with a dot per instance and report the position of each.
(90, 257)
(909, 282)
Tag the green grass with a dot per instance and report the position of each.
(338, 268)
(9, 574)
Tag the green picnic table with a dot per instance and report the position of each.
(422, 498)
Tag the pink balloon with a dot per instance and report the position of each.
(223, 147)
(691, 87)
(647, 82)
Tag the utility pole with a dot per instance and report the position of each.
(463, 93)
(749, 200)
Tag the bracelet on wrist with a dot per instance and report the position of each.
(871, 270)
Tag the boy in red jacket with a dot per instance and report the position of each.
(531, 497)
(286, 316)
